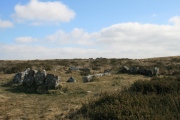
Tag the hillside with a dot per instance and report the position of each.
(103, 94)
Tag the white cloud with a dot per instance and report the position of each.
(138, 40)
(124, 40)
(38, 12)
(25, 39)
(175, 20)
(5, 24)
(76, 36)
(137, 33)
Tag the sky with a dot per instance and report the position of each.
(67, 29)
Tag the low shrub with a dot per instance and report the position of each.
(96, 68)
(155, 99)
(85, 72)
(120, 106)
(19, 67)
(156, 87)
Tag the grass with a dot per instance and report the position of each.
(57, 103)
(118, 96)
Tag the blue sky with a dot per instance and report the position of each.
(57, 29)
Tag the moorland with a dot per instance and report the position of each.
(116, 96)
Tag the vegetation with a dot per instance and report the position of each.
(117, 96)
(155, 99)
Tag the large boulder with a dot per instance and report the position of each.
(29, 80)
(73, 68)
(40, 79)
(145, 72)
(125, 69)
(150, 72)
(99, 75)
(136, 69)
(52, 81)
(24, 73)
(156, 71)
(71, 79)
(133, 70)
(17, 78)
(88, 78)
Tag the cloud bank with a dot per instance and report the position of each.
(37, 12)
(123, 40)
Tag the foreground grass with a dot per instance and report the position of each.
(16, 104)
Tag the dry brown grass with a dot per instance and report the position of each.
(15, 104)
